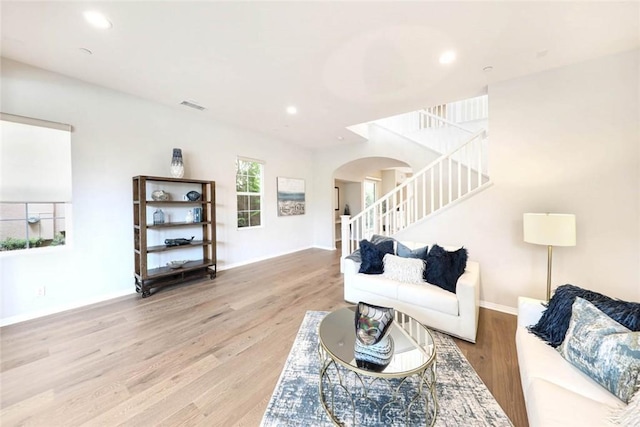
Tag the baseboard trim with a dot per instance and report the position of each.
(325, 248)
(66, 307)
(499, 307)
(265, 258)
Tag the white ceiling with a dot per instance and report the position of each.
(340, 63)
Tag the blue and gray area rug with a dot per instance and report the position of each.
(463, 398)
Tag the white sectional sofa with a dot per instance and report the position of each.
(556, 393)
(455, 314)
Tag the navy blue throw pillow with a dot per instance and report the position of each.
(554, 322)
(372, 255)
(444, 268)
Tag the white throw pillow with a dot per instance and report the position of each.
(406, 270)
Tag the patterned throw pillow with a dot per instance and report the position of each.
(406, 270)
(603, 349)
(444, 268)
(372, 255)
(406, 252)
(554, 322)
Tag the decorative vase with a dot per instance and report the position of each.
(158, 217)
(177, 165)
(374, 346)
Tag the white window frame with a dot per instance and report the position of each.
(58, 195)
(248, 193)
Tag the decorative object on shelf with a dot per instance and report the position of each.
(192, 196)
(177, 165)
(189, 217)
(160, 196)
(197, 214)
(374, 346)
(177, 264)
(291, 196)
(158, 217)
(178, 242)
(347, 211)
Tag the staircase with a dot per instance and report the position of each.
(459, 173)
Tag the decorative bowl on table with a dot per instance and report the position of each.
(160, 196)
(177, 263)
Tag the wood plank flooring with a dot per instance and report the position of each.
(204, 354)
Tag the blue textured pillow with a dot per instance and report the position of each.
(554, 321)
(444, 268)
(375, 239)
(372, 256)
(603, 349)
(405, 252)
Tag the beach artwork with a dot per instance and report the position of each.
(290, 196)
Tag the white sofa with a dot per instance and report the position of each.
(455, 314)
(556, 393)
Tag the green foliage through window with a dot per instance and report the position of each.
(32, 225)
(249, 177)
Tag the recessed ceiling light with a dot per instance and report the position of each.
(341, 138)
(487, 69)
(292, 110)
(85, 50)
(448, 57)
(97, 19)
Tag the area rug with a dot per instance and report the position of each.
(463, 398)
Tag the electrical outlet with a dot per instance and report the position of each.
(41, 291)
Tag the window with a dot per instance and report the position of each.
(35, 182)
(249, 189)
(31, 225)
(370, 193)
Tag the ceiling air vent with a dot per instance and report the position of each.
(192, 105)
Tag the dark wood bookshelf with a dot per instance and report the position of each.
(148, 279)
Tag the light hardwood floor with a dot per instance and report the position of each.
(208, 353)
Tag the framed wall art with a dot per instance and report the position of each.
(291, 197)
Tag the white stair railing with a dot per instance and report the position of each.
(449, 179)
(452, 114)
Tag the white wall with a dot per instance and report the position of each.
(566, 141)
(115, 137)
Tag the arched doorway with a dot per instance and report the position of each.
(357, 179)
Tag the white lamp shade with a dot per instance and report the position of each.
(550, 229)
(35, 163)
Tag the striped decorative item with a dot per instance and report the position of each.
(374, 347)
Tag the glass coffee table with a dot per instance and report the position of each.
(402, 394)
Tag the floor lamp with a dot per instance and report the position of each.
(551, 230)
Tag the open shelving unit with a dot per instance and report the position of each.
(149, 237)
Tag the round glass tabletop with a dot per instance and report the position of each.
(414, 348)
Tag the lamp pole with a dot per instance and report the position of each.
(549, 252)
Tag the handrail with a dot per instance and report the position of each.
(443, 120)
(448, 179)
(421, 171)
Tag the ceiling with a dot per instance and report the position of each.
(339, 63)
